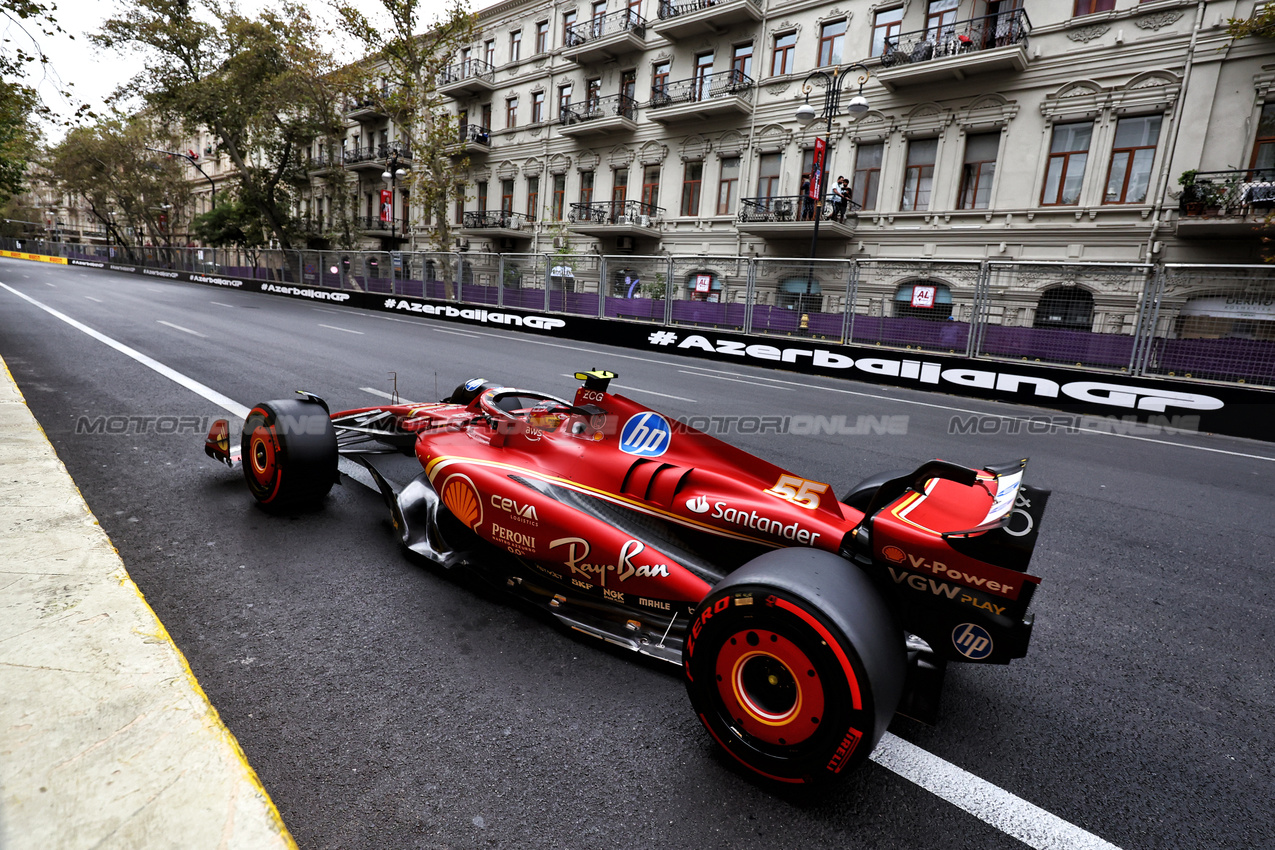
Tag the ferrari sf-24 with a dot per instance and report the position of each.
(801, 622)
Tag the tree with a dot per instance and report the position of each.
(124, 186)
(19, 138)
(234, 224)
(262, 86)
(409, 65)
(1261, 24)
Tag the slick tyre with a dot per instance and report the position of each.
(289, 453)
(795, 665)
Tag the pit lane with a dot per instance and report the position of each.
(384, 705)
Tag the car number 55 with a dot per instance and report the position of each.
(799, 491)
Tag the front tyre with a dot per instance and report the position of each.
(289, 453)
(795, 665)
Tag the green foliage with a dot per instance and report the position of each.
(233, 224)
(123, 185)
(400, 77)
(261, 86)
(1261, 24)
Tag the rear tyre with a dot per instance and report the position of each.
(289, 453)
(795, 665)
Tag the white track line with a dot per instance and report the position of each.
(97, 300)
(180, 328)
(991, 804)
(736, 381)
(346, 330)
(995, 806)
(390, 396)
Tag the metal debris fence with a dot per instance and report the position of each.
(1209, 323)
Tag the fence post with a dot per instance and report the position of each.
(602, 286)
(669, 289)
(980, 311)
(1148, 317)
(750, 294)
(852, 299)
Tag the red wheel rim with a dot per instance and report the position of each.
(261, 460)
(770, 687)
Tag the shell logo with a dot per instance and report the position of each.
(461, 498)
(893, 553)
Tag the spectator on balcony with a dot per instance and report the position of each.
(840, 198)
(807, 202)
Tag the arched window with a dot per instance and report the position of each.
(1069, 307)
(923, 299)
(799, 294)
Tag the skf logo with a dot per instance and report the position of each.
(893, 553)
(972, 641)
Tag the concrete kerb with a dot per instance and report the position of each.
(106, 738)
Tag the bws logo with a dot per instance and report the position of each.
(972, 641)
(646, 435)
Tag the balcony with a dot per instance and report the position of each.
(375, 156)
(724, 94)
(615, 218)
(493, 224)
(473, 139)
(368, 105)
(605, 37)
(598, 115)
(792, 217)
(466, 79)
(696, 18)
(325, 160)
(1233, 203)
(990, 44)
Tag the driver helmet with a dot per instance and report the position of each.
(546, 415)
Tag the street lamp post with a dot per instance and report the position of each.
(831, 107)
(390, 175)
(212, 202)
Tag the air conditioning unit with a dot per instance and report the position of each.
(559, 241)
(623, 219)
(625, 243)
(515, 224)
(644, 221)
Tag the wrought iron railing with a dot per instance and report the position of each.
(372, 153)
(325, 158)
(469, 68)
(373, 222)
(368, 100)
(626, 20)
(791, 208)
(474, 134)
(617, 212)
(721, 84)
(669, 9)
(505, 219)
(598, 107)
(960, 37)
(1237, 192)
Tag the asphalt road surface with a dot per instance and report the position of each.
(386, 705)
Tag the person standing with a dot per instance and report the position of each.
(839, 199)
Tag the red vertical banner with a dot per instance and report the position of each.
(387, 202)
(816, 169)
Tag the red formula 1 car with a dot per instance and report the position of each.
(802, 622)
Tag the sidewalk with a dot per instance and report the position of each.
(106, 739)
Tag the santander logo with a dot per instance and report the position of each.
(697, 505)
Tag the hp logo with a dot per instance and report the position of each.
(972, 641)
(646, 435)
